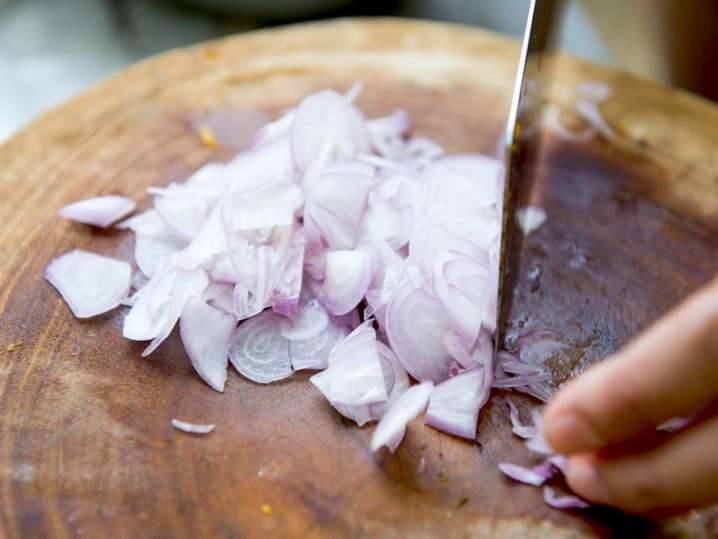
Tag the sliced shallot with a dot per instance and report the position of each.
(90, 284)
(187, 284)
(455, 403)
(270, 206)
(220, 295)
(530, 218)
(206, 335)
(523, 475)
(354, 376)
(192, 428)
(336, 202)
(259, 351)
(348, 274)
(392, 426)
(563, 502)
(326, 117)
(313, 353)
(518, 428)
(327, 215)
(416, 325)
(395, 377)
(458, 283)
(396, 381)
(310, 321)
(99, 211)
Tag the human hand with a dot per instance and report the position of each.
(670, 370)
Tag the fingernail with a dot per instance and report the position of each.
(570, 434)
(585, 480)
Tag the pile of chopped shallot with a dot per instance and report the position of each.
(334, 244)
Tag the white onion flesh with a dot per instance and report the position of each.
(182, 212)
(310, 321)
(562, 502)
(336, 203)
(416, 326)
(259, 351)
(396, 381)
(192, 428)
(458, 283)
(206, 335)
(395, 378)
(518, 428)
(326, 117)
(348, 274)
(274, 205)
(392, 426)
(455, 403)
(90, 284)
(220, 295)
(313, 353)
(186, 285)
(99, 211)
(521, 474)
(151, 253)
(530, 218)
(148, 314)
(210, 242)
(354, 376)
(288, 284)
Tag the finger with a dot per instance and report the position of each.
(649, 440)
(681, 473)
(669, 369)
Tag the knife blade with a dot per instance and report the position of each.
(522, 141)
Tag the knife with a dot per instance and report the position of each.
(522, 141)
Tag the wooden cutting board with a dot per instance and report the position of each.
(86, 445)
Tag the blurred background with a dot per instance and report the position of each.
(51, 49)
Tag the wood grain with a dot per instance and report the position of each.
(86, 445)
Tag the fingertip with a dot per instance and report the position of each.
(568, 433)
(556, 429)
(584, 478)
(578, 418)
(558, 432)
